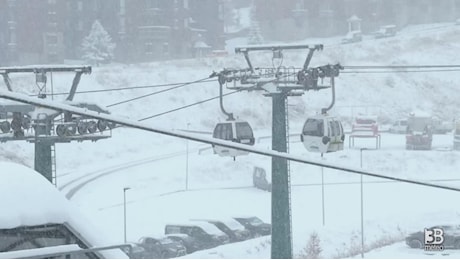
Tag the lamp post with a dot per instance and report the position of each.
(186, 161)
(124, 211)
(322, 192)
(362, 204)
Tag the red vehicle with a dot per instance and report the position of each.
(419, 134)
(365, 125)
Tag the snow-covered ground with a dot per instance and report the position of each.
(93, 175)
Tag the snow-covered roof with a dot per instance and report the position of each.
(31, 200)
(201, 45)
(353, 18)
(28, 253)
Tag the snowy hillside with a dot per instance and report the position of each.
(93, 175)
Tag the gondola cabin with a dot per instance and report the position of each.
(235, 131)
(322, 134)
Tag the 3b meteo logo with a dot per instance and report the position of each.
(434, 237)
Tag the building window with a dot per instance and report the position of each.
(149, 48)
(51, 39)
(52, 2)
(186, 4)
(79, 5)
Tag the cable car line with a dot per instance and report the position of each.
(158, 92)
(120, 89)
(367, 67)
(213, 141)
(398, 71)
(186, 106)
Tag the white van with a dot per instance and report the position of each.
(37, 220)
(399, 127)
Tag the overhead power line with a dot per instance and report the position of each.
(158, 92)
(208, 140)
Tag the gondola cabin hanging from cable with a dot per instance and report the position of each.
(236, 131)
(323, 134)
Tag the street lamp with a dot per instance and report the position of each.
(322, 191)
(124, 211)
(362, 204)
(186, 161)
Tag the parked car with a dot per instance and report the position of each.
(255, 225)
(204, 235)
(399, 127)
(451, 237)
(365, 125)
(386, 31)
(260, 179)
(162, 247)
(235, 231)
(442, 127)
(353, 36)
(135, 251)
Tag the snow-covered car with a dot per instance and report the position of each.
(235, 231)
(255, 225)
(398, 127)
(204, 235)
(353, 36)
(162, 247)
(41, 219)
(451, 237)
(261, 180)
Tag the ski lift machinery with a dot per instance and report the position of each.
(237, 131)
(323, 133)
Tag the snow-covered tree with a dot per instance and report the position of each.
(255, 36)
(98, 47)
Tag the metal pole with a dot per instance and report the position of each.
(124, 211)
(281, 220)
(186, 161)
(362, 204)
(322, 192)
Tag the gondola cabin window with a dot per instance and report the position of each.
(244, 130)
(314, 127)
(223, 131)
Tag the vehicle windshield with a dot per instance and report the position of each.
(255, 221)
(233, 224)
(166, 241)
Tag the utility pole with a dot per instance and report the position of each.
(279, 83)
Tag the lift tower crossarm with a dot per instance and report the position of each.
(7, 81)
(43, 69)
(246, 49)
